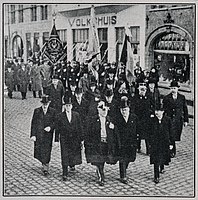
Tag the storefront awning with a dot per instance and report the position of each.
(98, 9)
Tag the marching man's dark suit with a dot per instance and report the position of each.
(43, 143)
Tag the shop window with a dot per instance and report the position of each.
(102, 34)
(36, 46)
(44, 12)
(33, 13)
(13, 13)
(172, 42)
(20, 13)
(45, 37)
(80, 40)
(28, 45)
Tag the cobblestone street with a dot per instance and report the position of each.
(23, 175)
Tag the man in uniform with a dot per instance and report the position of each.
(9, 80)
(176, 108)
(143, 109)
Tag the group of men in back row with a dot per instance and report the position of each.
(111, 117)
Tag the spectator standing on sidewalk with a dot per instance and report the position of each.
(69, 133)
(175, 107)
(42, 129)
(35, 78)
(9, 81)
(23, 80)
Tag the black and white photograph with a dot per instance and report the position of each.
(98, 100)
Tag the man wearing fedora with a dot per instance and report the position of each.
(175, 107)
(69, 133)
(126, 123)
(56, 91)
(42, 129)
(111, 103)
(101, 141)
(161, 133)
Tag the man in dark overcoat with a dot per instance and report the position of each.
(175, 107)
(161, 133)
(81, 105)
(143, 108)
(56, 91)
(23, 80)
(9, 81)
(101, 141)
(69, 133)
(42, 129)
(126, 123)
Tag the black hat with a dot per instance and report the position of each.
(108, 92)
(85, 70)
(78, 90)
(73, 83)
(174, 84)
(55, 76)
(92, 84)
(151, 80)
(123, 103)
(45, 99)
(142, 84)
(97, 94)
(109, 82)
(67, 100)
(111, 71)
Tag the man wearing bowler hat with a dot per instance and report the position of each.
(126, 124)
(176, 108)
(69, 132)
(42, 129)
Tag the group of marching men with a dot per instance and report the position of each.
(107, 114)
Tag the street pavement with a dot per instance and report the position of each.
(23, 175)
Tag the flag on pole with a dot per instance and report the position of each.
(94, 45)
(126, 56)
(53, 49)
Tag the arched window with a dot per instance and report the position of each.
(17, 49)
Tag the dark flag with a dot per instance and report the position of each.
(126, 56)
(54, 49)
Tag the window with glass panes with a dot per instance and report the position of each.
(13, 12)
(33, 13)
(102, 34)
(36, 46)
(45, 37)
(44, 12)
(28, 44)
(63, 35)
(120, 33)
(20, 13)
(80, 37)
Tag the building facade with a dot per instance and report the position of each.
(27, 28)
(170, 36)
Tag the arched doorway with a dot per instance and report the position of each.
(170, 48)
(17, 47)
